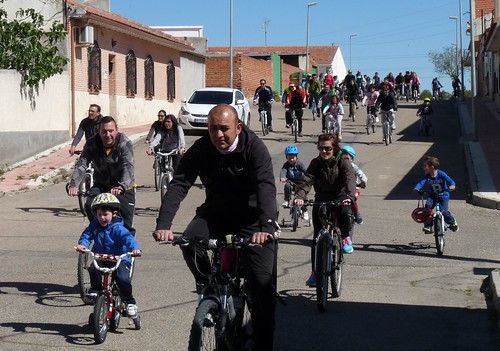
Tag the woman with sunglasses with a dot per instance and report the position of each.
(332, 176)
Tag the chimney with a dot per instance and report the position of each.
(101, 4)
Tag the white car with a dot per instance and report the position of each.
(193, 114)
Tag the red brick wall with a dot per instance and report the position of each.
(286, 70)
(253, 70)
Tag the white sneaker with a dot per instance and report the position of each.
(285, 204)
(376, 120)
(305, 216)
(393, 127)
(132, 311)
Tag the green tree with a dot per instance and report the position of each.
(445, 62)
(25, 46)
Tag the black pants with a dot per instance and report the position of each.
(344, 222)
(259, 265)
(127, 206)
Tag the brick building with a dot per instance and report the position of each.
(272, 63)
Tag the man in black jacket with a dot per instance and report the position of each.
(88, 126)
(236, 169)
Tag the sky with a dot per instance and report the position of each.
(391, 35)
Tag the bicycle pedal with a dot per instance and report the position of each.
(208, 321)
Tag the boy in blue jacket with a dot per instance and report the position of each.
(438, 183)
(109, 235)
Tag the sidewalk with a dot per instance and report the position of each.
(51, 166)
(482, 156)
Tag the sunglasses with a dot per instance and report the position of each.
(325, 148)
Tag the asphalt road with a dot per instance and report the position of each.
(397, 294)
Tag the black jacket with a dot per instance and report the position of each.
(239, 186)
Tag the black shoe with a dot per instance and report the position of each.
(270, 128)
(300, 135)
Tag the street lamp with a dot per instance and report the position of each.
(307, 34)
(456, 40)
(350, 49)
(231, 44)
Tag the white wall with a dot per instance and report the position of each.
(193, 76)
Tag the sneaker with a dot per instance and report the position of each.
(305, 216)
(311, 282)
(376, 120)
(288, 126)
(132, 310)
(428, 229)
(393, 126)
(454, 226)
(347, 245)
(270, 128)
(92, 294)
(286, 204)
(359, 219)
(300, 135)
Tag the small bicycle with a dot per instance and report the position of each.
(166, 169)
(296, 213)
(371, 120)
(329, 260)
(295, 124)
(108, 306)
(331, 124)
(426, 125)
(438, 223)
(222, 319)
(387, 121)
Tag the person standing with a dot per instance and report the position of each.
(236, 169)
(264, 97)
(88, 126)
(112, 156)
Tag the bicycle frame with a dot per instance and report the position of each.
(263, 117)
(331, 124)
(166, 171)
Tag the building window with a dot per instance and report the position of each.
(170, 81)
(149, 73)
(131, 72)
(94, 70)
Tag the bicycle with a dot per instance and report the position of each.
(438, 223)
(108, 306)
(295, 125)
(407, 92)
(166, 169)
(329, 258)
(222, 319)
(296, 212)
(352, 109)
(263, 118)
(331, 124)
(314, 107)
(426, 125)
(157, 171)
(84, 187)
(371, 120)
(387, 121)
(414, 93)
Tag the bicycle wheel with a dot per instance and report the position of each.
(369, 124)
(323, 264)
(314, 110)
(83, 189)
(163, 184)
(295, 129)
(101, 323)
(295, 217)
(337, 265)
(439, 234)
(157, 173)
(390, 134)
(116, 316)
(263, 122)
(203, 335)
(239, 331)
(83, 276)
(386, 133)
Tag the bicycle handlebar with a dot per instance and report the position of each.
(232, 241)
(165, 154)
(109, 258)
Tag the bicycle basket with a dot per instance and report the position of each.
(421, 214)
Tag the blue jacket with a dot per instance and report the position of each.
(114, 239)
(440, 183)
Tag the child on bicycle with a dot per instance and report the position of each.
(291, 174)
(361, 180)
(370, 100)
(110, 236)
(440, 184)
(336, 111)
(424, 112)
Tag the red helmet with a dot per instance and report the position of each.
(421, 214)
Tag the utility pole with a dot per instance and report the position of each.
(264, 28)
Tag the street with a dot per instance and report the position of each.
(397, 293)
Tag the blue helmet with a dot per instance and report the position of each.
(291, 150)
(350, 150)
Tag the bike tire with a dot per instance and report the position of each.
(314, 109)
(322, 268)
(83, 189)
(296, 130)
(157, 173)
(116, 316)
(337, 266)
(101, 322)
(263, 122)
(240, 330)
(390, 134)
(386, 133)
(83, 277)
(295, 217)
(204, 333)
(369, 124)
(439, 235)
(163, 185)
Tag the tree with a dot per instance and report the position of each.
(445, 62)
(25, 46)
